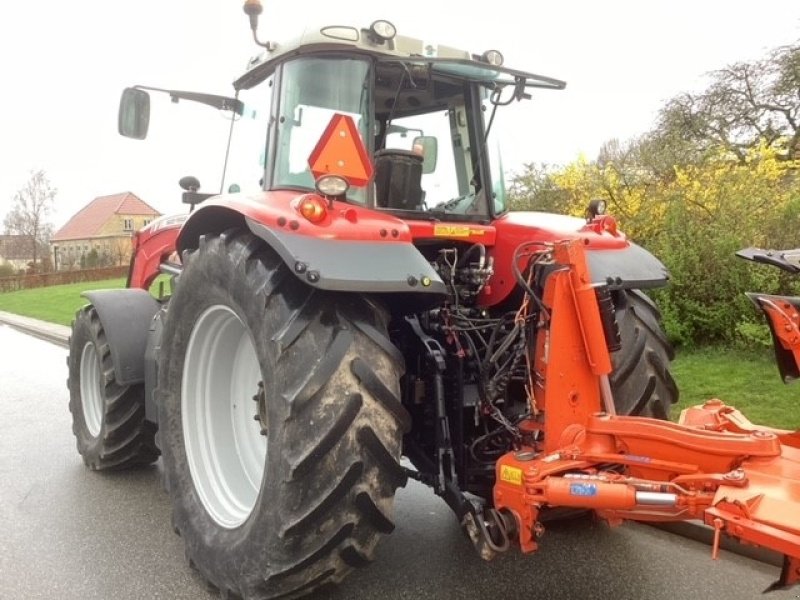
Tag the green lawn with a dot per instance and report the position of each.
(748, 381)
(58, 303)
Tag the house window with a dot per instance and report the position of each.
(147, 222)
(128, 224)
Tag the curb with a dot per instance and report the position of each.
(694, 530)
(49, 332)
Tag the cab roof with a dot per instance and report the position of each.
(354, 40)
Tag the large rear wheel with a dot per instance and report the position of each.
(641, 381)
(280, 422)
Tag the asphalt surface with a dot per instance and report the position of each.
(68, 533)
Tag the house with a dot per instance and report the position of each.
(100, 233)
(17, 251)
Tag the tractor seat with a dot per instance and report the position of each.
(398, 180)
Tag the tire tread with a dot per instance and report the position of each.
(641, 381)
(339, 433)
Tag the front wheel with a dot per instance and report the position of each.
(281, 424)
(108, 419)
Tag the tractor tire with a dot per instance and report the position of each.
(280, 422)
(641, 382)
(108, 419)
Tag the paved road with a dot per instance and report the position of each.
(70, 534)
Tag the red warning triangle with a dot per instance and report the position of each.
(340, 151)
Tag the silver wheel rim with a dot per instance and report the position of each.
(225, 449)
(91, 390)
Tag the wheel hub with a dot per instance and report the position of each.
(225, 447)
(91, 391)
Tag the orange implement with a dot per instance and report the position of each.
(742, 479)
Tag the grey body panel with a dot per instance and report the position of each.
(626, 268)
(151, 354)
(125, 316)
(353, 266)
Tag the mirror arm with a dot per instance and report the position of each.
(219, 102)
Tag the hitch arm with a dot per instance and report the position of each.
(445, 457)
(487, 528)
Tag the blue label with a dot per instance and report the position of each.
(582, 489)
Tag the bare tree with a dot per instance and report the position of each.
(33, 204)
(747, 103)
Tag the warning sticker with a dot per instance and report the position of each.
(455, 231)
(511, 474)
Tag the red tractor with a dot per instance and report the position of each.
(361, 292)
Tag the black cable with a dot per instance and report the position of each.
(463, 260)
(485, 438)
(521, 280)
(385, 131)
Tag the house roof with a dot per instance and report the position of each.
(88, 221)
(16, 247)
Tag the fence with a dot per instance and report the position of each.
(22, 282)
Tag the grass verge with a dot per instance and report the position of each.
(58, 303)
(747, 380)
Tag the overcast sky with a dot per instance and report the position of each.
(64, 65)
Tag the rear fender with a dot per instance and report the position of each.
(125, 316)
(151, 355)
(613, 260)
(626, 268)
(354, 250)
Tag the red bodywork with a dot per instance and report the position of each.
(152, 246)
(714, 465)
(350, 222)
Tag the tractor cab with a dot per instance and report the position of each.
(423, 114)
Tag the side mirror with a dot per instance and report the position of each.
(134, 113)
(426, 146)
